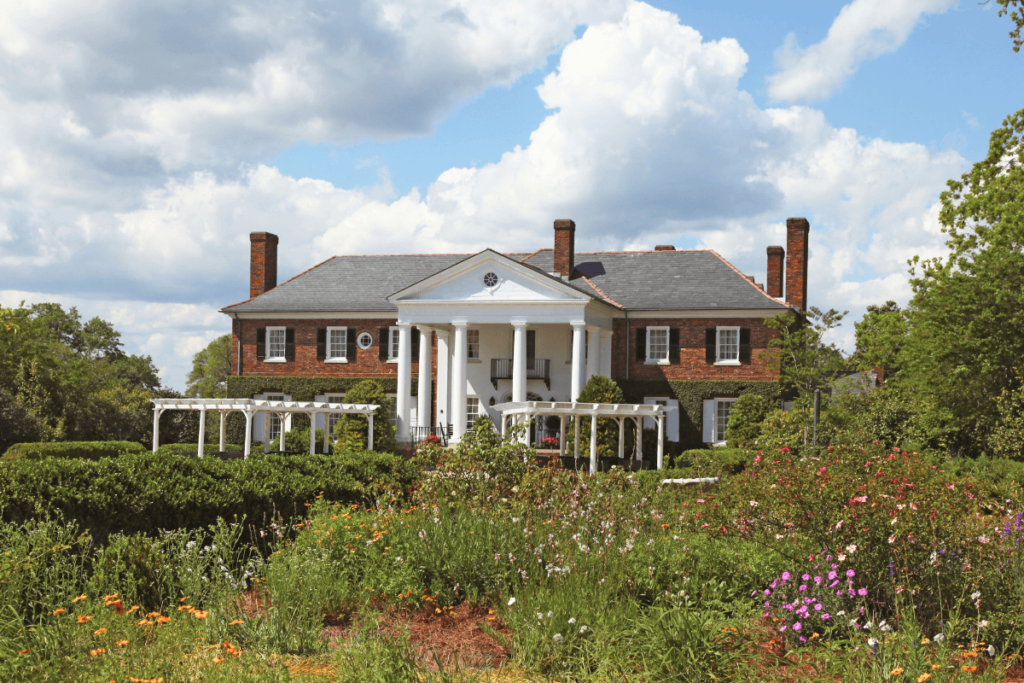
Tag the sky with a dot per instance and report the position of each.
(142, 141)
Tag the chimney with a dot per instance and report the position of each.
(796, 262)
(262, 263)
(664, 247)
(565, 247)
(776, 267)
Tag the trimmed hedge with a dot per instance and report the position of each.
(146, 492)
(83, 450)
(305, 388)
(208, 448)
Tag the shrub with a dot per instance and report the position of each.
(193, 448)
(84, 450)
(298, 440)
(745, 418)
(350, 430)
(714, 462)
(146, 492)
(1008, 436)
(599, 389)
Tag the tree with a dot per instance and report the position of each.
(880, 336)
(350, 430)
(967, 312)
(805, 361)
(1016, 16)
(745, 418)
(210, 369)
(598, 389)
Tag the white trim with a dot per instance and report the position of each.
(479, 410)
(344, 345)
(392, 344)
(283, 358)
(718, 346)
(714, 424)
(469, 345)
(315, 315)
(617, 313)
(668, 346)
(369, 344)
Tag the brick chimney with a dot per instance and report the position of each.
(262, 263)
(664, 247)
(796, 262)
(776, 267)
(565, 247)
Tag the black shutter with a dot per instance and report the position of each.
(710, 344)
(289, 343)
(744, 344)
(531, 347)
(673, 345)
(383, 341)
(415, 344)
(321, 344)
(350, 339)
(261, 343)
(641, 344)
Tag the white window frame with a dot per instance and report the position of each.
(267, 358)
(393, 341)
(470, 356)
(360, 339)
(716, 425)
(343, 358)
(668, 336)
(273, 418)
(472, 417)
(719, 360)
(331, 419)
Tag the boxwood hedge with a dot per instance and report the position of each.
(85, 450)
(146, 492)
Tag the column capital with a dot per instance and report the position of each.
(460, 323)
(518, 323)
(578, 323)
(606, 333)
(401, 323)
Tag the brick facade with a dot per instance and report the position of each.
(565, 247)
(692, 363)
(797, 230)
(776, 268)
(262, 263)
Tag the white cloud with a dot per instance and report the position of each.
(864, 29)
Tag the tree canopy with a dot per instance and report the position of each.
(210, 369)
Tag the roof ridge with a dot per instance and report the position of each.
(524, 260)
(748, 281)
(598, 290)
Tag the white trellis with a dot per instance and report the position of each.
(250, 407)
(620, 412)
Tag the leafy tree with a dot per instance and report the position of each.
(745, 418)
(1008, 436)
(1016, 13)
(210, 369)
(805, 361)
(598, 389)
(350, 430)
(967, 312)
(880, 336)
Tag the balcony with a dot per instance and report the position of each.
(536, 368)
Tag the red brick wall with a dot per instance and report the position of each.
(796, 262)
(367, 362)
(692, 364)
(262, 263)
(776, 257)
(565, 247)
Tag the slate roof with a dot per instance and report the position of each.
(638, 280)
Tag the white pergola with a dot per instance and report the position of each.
(249, 407)
(524, 411)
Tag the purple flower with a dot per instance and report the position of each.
(832, 575)
(850, 573)
(802, 639)
(851, 592)
(785, 576)
(1006, 530)
(806, 577)
(767, 592)
(862, 592)
(782, 628)
(1019, 516)
(817, 579)
(803, 587)
(833, 584)
(817, 608)
(797, 626)
(826, 616)
(774, 584)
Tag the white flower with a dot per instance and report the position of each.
(841, 613)
(975, 595)
(939, 638)
(583, 629)
(868, 625)
(550, 614)
(842, 557)
(511, 601)
(557, 638)
(872, 642)
(573, 620)
(991, 650)
(853, 623)
(852, 548)
(983, 624)
(753, 503)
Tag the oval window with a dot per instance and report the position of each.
(490, 279)
(364, 340)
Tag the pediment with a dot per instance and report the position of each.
(489, 277)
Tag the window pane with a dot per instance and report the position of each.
(275, 343)
(337, 342)
(722, 409)
(472, 411)
(394, 344)
(728, 345)
(473, 344)
(657, 344)
(394, 408)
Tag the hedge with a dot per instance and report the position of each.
(305, 388)
(208, 448)
(146, 492)
(83, 450)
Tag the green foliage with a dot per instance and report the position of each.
(297, 440)
(1016, 16)
(712, 462)
(304, 388)
(600, 389)
(192, 449)
(745, 418)
(880, 336)
(87, 450)
(146, 492)
(968, 309)
(481, 463)
(804, 360)
(351, 430)
(210, 370)
(1008, 436)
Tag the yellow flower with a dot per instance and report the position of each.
(897, 671)
(99, 632)
(218, 660)
(923, 677)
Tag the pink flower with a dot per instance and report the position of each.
(862, 592)
(850, 573)
(803, 587)
(797, 626)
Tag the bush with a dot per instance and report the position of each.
(180, 449)
(83, 450)
(145, 492)
(714, 462)
(599, 389)
(745, 418)
(350, 430)
(298, 440)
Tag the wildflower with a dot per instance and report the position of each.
(60, 610)
(785, 576)
(511, 601)
(939, 638)
(753, 503)
(991, 650)
(850, 573)
(557, 637)
(969, 669)
(797, 626)
(24, 652)
(923, 677)
(81, 597)
(853, 623)
(583, 629)
(236, 622)
(572, 620)
(99, 632)
(975, 595)
(82, 619)
(851, 549)
(218, 660)
(826, 616)
(862, 592)
(897, 671)
(200, 614)
(872, 642)
(122, 643)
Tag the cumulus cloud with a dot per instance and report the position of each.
(863, 30)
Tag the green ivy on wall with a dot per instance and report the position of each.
(691, 396)
(304, 388)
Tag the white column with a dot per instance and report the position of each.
(561, 436)
(576, 437)
(369, 432)
(443, 417)
(593, 351)
(223, 416)
(423, 383)
(606, 353)
(519, 362)
(202, 430)
(458, 388)
(639, 438)
(327, 421)
(248, 433)
(404, 380)
(156, 428)
(593, 444)
(622, 436)
(504, 428)
(577, 361)
(661, 439)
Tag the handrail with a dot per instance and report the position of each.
(536, 368)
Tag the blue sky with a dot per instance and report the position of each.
(140, 142)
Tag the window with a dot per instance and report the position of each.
(586, 346)
(472, 410)
(473, 344)
(728, 345)
(393, 414)
(364, 340)
(332, 418)
(393, 343)
(275, 344)
(337, 344)
(657, 344)
(274, 423)
(722, 408)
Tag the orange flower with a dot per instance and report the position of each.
(24, 652)
(60, 610)
(99, 632)
(153, 615)
(936, 666)
(200, 614)
(133, 609)
(923, 677)
(110, 597)
(218, 660)
(897, 671)
(81, 597)
(236, 622)
(144, 622)
(116, 604)
(163, 620)
(122, 643)
(969, 668)
(98, 651)
(184, 599)
(82, 619)
(184, 607)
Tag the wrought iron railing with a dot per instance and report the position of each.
(421, 434)
(536, 368)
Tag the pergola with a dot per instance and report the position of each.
(249, 407)
(620, 412)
